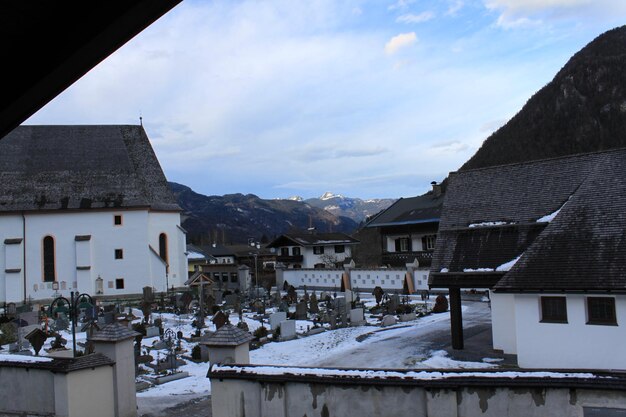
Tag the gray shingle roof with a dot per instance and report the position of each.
(81, 167)
(64, 365)
(313, 239)
(228, 335)
(113, 332)
(582, 249)
(414, 210)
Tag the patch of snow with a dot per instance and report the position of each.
(485, 224)
(549, 217)
(478, 270)
(331, 208)
(380, 374)
(492, 360)
(444, 270)
(23, 358)
(507, 266)
(194, 255)
(295, 198)
(439, 360)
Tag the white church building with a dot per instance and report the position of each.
(86, 209)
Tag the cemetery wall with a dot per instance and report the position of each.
(267, 391)
(390, 280)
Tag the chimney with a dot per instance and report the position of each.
(436, 188)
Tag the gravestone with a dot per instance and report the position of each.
(219, 298)
(292, 296)
(152, 331)
(219, 319)
(332, 320)
(301, 311)
(30, 317)
(284, 307)
(392, 305)
(378, 294)
(408, 317)
(231, 300)
(388, 320)
(11, 310)
(61, 322)
(441, 304)
(276, 319)
(287, 330)
(108, 317)
(209, 302)
(148, 294)
(23, 331)
(313, 306)
(356, 317)
(36, 338)
(325, 296)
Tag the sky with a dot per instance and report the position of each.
(369, 99)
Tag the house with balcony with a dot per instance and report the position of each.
(407, 231)
(547, 237)
(313, 249)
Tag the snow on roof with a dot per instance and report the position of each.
(23, 358)
(195, 255)
(486, 224)
(478, 270)
(508, 265)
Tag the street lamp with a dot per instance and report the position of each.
(74, 305)
(257, 246)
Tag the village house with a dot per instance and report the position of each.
(548, 238)
(312, 249)
(86, 209)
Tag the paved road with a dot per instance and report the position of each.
(198, 407)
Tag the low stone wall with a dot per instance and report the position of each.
(264, 391)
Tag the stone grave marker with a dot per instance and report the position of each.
(313, 306)
(356, 317)
(441, 304)
(394, 302)
(36, 338)
(148, 294)
(301, 311)
(388, 320)
(231, 299)
(152, 331)
(108, 317)
(276, 319)
(30, 317)
(284, 307)
(287, 330)
(219, 298)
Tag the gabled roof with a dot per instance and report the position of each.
(216, 249)
(563, 218)
(199, 277)
(312, 239)
(81, 167)
(425, 208)
(228, 335)
(196, 253)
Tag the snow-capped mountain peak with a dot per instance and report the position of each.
(328, 195)
(295, 198)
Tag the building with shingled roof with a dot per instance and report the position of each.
(87, 208)
(312, 249)
(547, 237)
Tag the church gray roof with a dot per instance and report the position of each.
(81, 167)
(563, 217)
(228, 335)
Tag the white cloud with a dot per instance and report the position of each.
(416, 18)
(528, 13)
(400, 4)
(400, 41)
(454, 8)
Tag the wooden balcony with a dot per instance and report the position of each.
(400, 259)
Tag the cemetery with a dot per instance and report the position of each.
(174, 335)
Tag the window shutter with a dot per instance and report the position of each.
(424, 243)
(397, 245)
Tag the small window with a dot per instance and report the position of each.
(163, 246)
(233, 277)
(601, 310)
(297, 266)
(295, 250)
(49, 269)
(340, 248)
(284, 251)
(553, 310)
(117, 220)
(403, 244)
(119, 254)
(319, 266)
(318, 250)
(428, 242)
(119, 284)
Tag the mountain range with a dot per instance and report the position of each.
(233, 218)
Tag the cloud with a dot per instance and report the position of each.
(400, 41)
(400, 4)
(454, 8)
(515, 14)
(452, 146)
(415, 18)
(319, 153)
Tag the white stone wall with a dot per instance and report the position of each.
(502, 319)
(574, 344)
(388, 279)
(79, 263)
